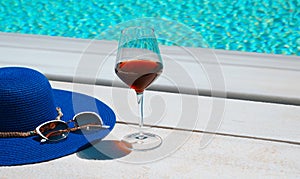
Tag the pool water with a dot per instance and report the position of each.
(266, 26)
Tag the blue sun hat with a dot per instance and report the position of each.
(27, 101)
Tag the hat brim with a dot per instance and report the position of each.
(20, 151)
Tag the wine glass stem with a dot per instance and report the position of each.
(140, 100)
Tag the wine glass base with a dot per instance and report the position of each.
(142, 141)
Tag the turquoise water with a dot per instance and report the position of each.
(267, 26)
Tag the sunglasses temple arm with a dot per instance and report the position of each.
(89, 125)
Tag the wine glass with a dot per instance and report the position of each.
(138, 64)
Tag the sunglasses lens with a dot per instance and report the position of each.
(88, 120)
(54, 130)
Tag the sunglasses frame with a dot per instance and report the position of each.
(68, 130)
(44, 138)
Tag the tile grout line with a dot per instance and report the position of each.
(216, 133)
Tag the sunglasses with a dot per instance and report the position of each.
(57, 129)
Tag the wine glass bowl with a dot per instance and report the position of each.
(138, 64)
(138, 74)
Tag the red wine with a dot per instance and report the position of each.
(138, 74)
